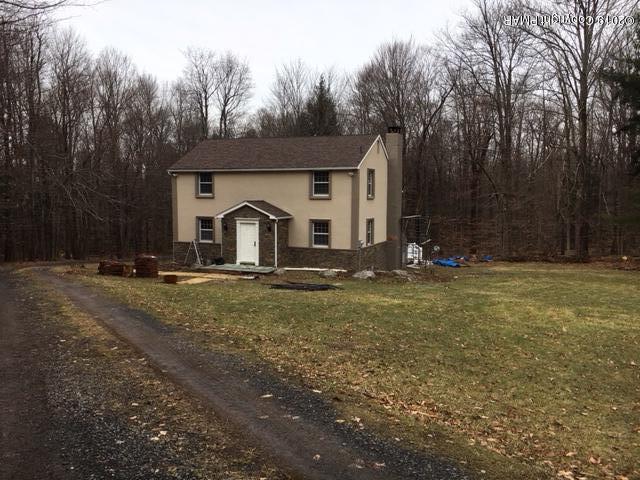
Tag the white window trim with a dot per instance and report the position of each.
(313, 184)
(213, 228)
(371, 182)
(313, 234)
(373, 231)
(200, 182)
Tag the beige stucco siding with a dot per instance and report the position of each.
(287, 190)
(375, 208)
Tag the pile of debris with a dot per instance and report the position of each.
(461, 260)
(146, 266)
(307, 287)
(112, 267)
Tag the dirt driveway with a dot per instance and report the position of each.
(292, 426)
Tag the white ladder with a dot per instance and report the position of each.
(194, 245)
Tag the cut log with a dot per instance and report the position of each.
(146, 266)
(112, 267)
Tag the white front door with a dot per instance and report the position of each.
(247, 241)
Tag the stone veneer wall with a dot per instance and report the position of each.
(208, 251)
(378, 257)
(266, 236)
(375, 257)
(283, 242)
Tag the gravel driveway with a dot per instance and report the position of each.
(294, 428)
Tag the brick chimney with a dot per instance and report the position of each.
(394, 144)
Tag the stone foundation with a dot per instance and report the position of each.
(208, 251)
(377, 257)
(374, 257)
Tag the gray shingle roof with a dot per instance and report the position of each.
(260, 205)
(281, 153)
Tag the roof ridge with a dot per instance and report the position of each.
(280, 137)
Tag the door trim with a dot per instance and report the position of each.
(255, 222)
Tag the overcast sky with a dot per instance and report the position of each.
(326, 33)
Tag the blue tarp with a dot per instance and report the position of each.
(453, 261)
(446, 262)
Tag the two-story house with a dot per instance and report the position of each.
(332, 202)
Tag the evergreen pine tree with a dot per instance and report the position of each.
(321, 114)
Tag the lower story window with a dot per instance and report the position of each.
(205, 229)
(320, 233)
(370, 230)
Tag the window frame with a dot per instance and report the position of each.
(371, 175)
(199, 183)
(199, 229)
(312, 233)
(312, 185)
(370, 241)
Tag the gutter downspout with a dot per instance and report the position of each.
(276, 244)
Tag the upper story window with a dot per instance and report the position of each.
(321, 184)
(370, 231)
(205, 184)
(205, 229)
(371, 183)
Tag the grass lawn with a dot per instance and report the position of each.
(519, 370)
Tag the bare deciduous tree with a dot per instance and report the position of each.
(577, 52)
(496, 56)
(201, 80)
(233, 82)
